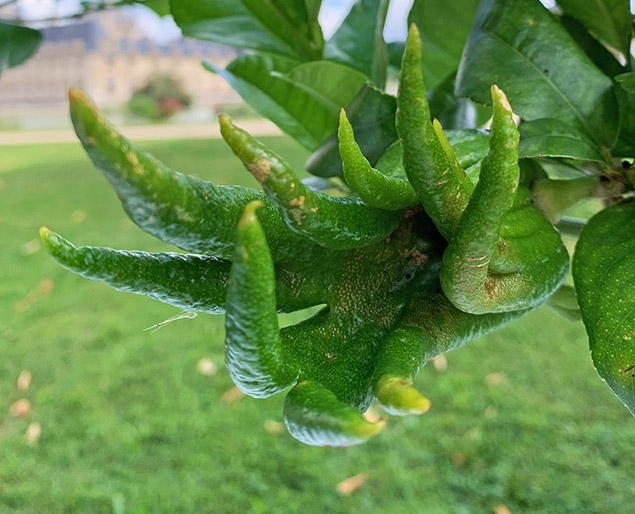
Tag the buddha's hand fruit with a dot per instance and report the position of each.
(410, 267)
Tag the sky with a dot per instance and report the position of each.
(163, 30)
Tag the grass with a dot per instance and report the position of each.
(519, 418)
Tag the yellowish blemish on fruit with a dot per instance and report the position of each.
(297, 215)
(260, 169)
(299, 202)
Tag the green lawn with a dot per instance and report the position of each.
(519, 418)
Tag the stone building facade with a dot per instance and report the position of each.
(104, 55)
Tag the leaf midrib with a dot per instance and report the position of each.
(577, 113)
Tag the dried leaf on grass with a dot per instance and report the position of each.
(206, 367)
(231, 395)
(33, 432)
(24, 380)
(20, 408)
(352, 484)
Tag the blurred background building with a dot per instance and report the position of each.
(106, 55)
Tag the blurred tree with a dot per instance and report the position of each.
(161, 97)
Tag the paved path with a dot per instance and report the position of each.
(141, 133)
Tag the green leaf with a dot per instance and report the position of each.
(294, 22)
(604, 276)
(372, 115)
(625, 90)
(17, 44)
(627, 81)
(161, 7)
(335, 85)
(300, 98)
(394, 51)
(453, 112)
(549, 137)
(283, 27)
(470, 145)
(359, 42)
(594, 50)
(444, 27)
(565, 304)
(523, 49)
(609, 20)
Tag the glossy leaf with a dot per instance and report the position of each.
(372, 115)
(161, 7)
(604, 275)
(523, 49)
(394, 51)
(444, 27)
(596, 51)
(625, 90)
(359, 42)
(333, 85)
(565, 303)
(294, 22)
(286, 27)
(627, 81)
(549, 137)
(17, 44)
(609, 20)
(470, 145)
(454, 112)
(277, 90)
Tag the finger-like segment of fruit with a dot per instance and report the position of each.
(447, 147)
(371, 185)
(193, 214)
(315, 416)
(397, 396)
(504, 255)
(190, 282)
(398, 362)
(333, 222)
(253, 351)
(439, 327)
(444, 193)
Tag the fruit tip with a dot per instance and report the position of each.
(249, 214)
(75, 94)
(499, 97)
(413, 30)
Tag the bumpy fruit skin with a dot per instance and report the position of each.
(405, 276)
